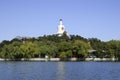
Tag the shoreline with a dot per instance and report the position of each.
(62, 59)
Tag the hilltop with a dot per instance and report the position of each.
(58, 46)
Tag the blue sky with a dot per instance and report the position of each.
(33, 18)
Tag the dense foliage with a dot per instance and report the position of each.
(108, 49)
(55, 46)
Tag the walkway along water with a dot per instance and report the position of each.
(61, 59)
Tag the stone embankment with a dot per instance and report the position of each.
(101, 59)
(60, 59)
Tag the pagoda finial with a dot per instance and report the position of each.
(60, 21)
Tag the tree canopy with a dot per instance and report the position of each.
(55, 46)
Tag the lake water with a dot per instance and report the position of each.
(59, 70)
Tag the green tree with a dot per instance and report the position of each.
(113, 48)
(65, 47)
(80, 48)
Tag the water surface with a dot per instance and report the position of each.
(59, 70)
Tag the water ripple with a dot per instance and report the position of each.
(59, 71)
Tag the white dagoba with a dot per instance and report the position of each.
(61, 28)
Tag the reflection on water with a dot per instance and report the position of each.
(59, 71)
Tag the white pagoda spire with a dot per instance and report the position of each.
(61, 28)
(60, 21)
